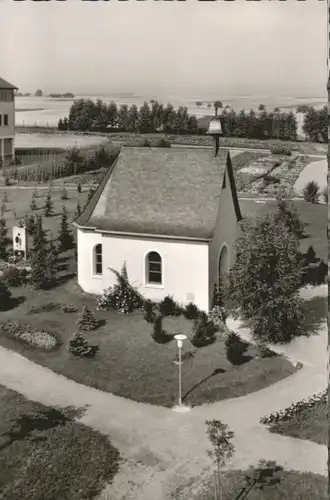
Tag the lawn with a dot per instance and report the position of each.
(293, 485)
(130, 363)
(45, 453)
(311, 424)
(19, 200)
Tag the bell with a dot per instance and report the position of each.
(215, 127)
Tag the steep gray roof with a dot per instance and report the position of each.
(159, 191)
(6, 85)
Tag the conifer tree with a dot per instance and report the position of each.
(65, 236)
(5, 295)
(44, 266)
(33, 205)
(4, 240)
(48, 211)
(86, 320)
(78, 209)
(79, 187)
(64, 193)
(90, 194)
(39, 234)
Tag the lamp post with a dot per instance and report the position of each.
(181, 408)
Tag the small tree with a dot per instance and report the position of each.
(311, 192)
(64, 193)
(78, 346)
(33, 204)
(265, 279)
(288, 215)
(86, 320)
(90, 194)
(65, 236)
(78, 209)
(39, 235)
(48, 209)
(5, 295)
(222, 449)
(44, 266)
(79, 187)
(4, 240)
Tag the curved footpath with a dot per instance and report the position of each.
(164, 449)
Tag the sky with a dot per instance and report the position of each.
(166, 47)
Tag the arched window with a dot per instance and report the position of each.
(154, 268)
(98, 259)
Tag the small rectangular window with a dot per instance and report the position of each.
(5, 122)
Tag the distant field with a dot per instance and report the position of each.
(35, 140)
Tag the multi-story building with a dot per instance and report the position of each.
(7, 121)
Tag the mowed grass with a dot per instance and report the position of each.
(45, 453)
(19, 200)
(311, 424)
(292, 485)
(130, 363)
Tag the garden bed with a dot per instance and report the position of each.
(130, 363)
(44, 453)
(303, 420)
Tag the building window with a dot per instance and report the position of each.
(5, 120)
(98, 259)
(154, 268)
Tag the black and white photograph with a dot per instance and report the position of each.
(163, 250)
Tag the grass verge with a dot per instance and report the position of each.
(44, 453)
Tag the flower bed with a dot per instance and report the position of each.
(294, 409)
(27, 334)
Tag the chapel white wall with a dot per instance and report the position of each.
(185, 266)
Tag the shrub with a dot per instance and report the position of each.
(311, 192)
(204, 331)
(270, 179)
(280, 150)
(235, 348)
(64, 194)
(5, 295)
(86, 320)
(79, 347)
(191, 311)
(325, 195)
(163, 143)
(69, 309)
(122, 296)
(14, 276)
(149, 313)
(218, 316)
(27, 334)
(218, 295)
(295, 408)
(158, 334)
(168, 306)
